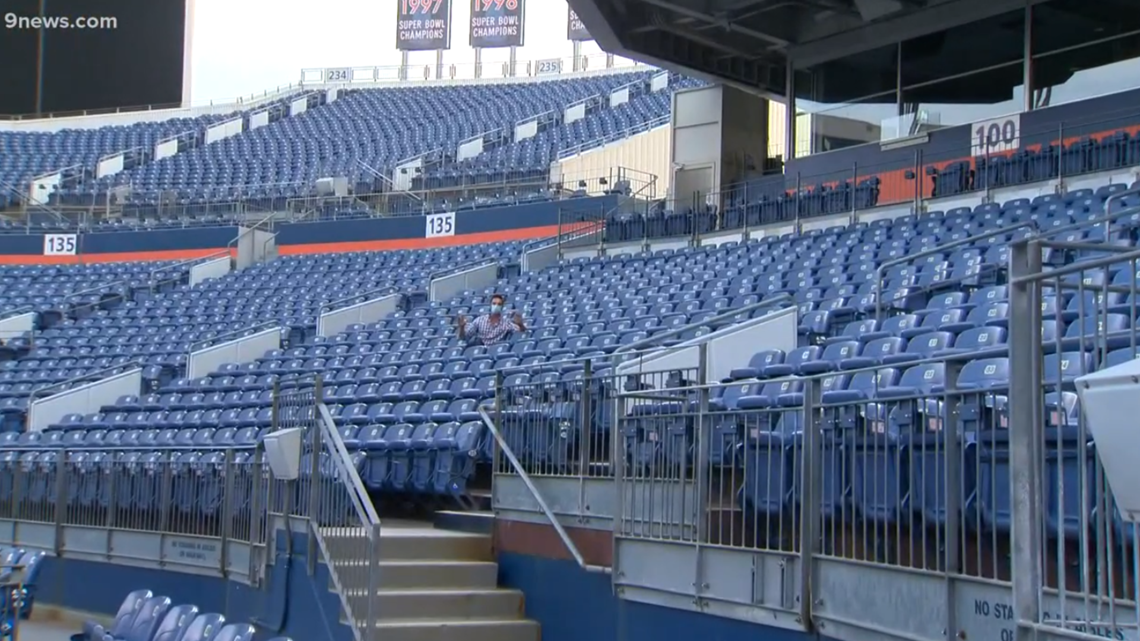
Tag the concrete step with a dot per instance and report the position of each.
(473, 630)
(421, 575)
(434, 545)
(482, 522)
(448, 605)
(410, 544)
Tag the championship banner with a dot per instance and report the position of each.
(496, 23)
(423, 25)
(575, 30)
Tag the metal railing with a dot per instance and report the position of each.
(349, 77)
(1086, 309)
(963, 488)
(793, 197)
(345, 529)
(504, 449)
(594, 143)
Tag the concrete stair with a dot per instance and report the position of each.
(435, 585)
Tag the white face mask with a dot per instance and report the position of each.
(496, 308)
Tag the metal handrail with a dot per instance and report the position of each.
(481, 262)
(224, 253)
(333, 305)
(603, 140)
(359, 493)
(940, 249)
(235, 334)
(40, 392)
(1038, 233)
(369, 522)
(649, 342)
(522, 473)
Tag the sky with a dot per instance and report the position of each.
(245, 48)
(248, 47)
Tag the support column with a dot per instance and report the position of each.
(899, 106)
(1027, 59)
(478, 62)
(1026, 409)
(790, 113)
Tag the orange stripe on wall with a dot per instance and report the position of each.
(112, 257)
(524, 233)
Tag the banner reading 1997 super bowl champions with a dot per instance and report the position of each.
(423, 25)
(497, 23)
(575, 30)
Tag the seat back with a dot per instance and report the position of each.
(174, 624)
(147, 619)
(127, 611)
(204, 627)
(235, 632)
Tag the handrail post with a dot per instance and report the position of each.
(811, 514)
(703, 488)
(60, 507)
(585, 428)
(227, 511)
(314, 477)
(258, 529)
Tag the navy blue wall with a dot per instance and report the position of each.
(1096, 117)
(574, 605)
(295, 604)
(491, 224)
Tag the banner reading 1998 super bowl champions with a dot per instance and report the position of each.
(575, 30)
(423, 25)
(497, 23)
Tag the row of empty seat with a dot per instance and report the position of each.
(143, 616)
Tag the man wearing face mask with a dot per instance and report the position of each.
(491, 328)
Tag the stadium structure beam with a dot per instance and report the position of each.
(773, 41)
(822, 45)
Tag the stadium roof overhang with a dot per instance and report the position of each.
(748, 43)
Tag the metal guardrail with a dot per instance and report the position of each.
(505, 449)
(344, 526)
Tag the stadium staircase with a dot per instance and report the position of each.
(436, 586)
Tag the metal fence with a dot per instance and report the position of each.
(1083, 296)
(344, 528)
(199, 491)
(168, 482)
(920, 466)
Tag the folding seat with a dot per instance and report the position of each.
(68, 422)
(793, 361)
(235, 632)
(124, 618)
(881, 473)
(390, 392)
(129, 403)
(454, 446)
(829, 359)
(757, 364)
(874, 353)
(204, 627)
(1062, 369)
(976, 340)
(921, 347)
(146, 620)
(375, 442)
(1112, 331)
(340, 394)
